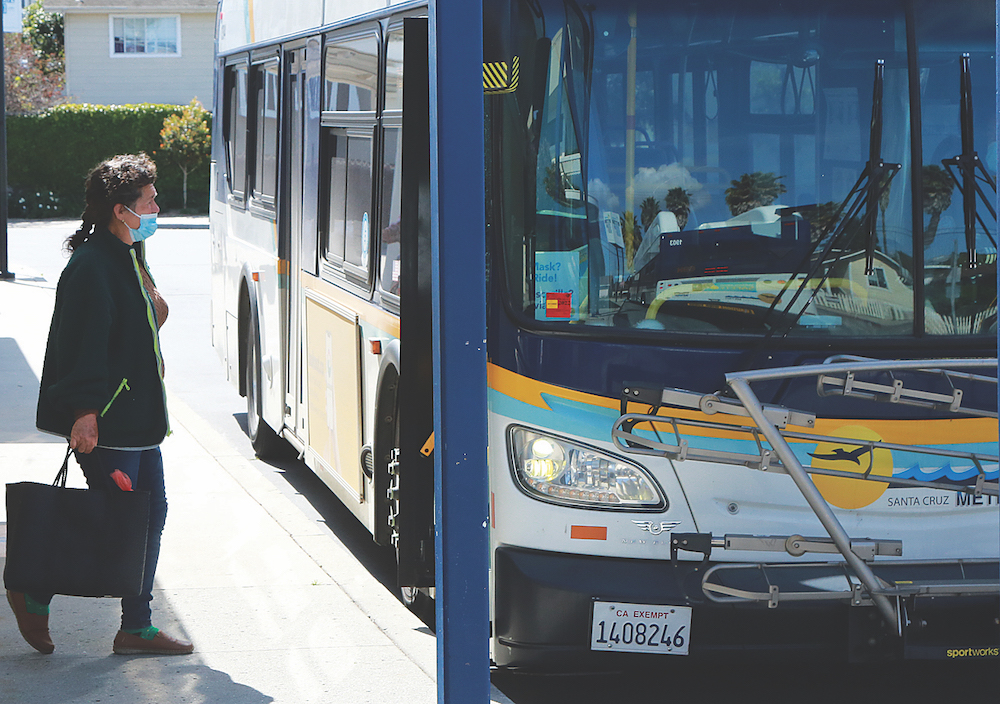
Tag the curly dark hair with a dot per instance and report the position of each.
(119, 179)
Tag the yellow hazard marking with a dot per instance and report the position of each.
(497, 78)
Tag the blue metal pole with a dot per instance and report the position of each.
(458, 253)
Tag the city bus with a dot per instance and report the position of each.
(741, 311)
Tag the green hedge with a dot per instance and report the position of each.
(49, 155)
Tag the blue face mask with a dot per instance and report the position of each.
(147, 226)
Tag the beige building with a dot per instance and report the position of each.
(138, 51)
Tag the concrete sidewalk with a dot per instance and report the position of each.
(279, 610)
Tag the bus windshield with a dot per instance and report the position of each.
(742, 167)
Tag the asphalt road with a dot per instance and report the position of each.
(179, 260)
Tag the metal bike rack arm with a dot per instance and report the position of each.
(820, 507)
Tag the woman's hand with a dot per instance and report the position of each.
(83, 436)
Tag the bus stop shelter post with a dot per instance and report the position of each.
(458, 253)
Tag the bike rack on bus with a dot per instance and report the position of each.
(837, 376)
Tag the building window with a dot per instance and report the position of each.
(146, 36)
(877, 278)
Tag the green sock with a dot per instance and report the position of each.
(147, 633)
(34, 607)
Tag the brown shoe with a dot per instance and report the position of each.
(151, 641)
(34, 627)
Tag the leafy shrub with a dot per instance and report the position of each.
(53, 151)
(34, 205)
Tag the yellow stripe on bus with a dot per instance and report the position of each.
(945, 431)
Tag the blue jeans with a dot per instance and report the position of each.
(145, 469)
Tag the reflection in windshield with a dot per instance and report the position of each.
(695, 168)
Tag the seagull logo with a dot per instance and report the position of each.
(657, 529)
(839, 453)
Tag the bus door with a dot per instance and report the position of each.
(336, 301)
(292, 224)
(415, 550)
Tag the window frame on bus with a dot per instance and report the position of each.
(236, 193)
(353, 126)
(261, 201)
(390, 119)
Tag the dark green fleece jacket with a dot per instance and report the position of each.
(103, 349)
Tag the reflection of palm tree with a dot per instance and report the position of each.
(753, 191)
(632, 236)
(678, 202)
(650, 209)
(937, 189)
(822, 218)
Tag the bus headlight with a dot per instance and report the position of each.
(563, 472)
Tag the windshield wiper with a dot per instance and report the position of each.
(970, 167)
(862, 200)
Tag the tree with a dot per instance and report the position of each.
(649, 209)
(29, 89)
(822, 219)
(186, 138)
(753, 191)
(678, 202)
(937, 188)
(632, 234)
(44, 31)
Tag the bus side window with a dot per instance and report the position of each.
(265, 168)
(348, 179)
(335, 178)
(394, 71)
(391, 187)
(388, 265)
(235, 124)
(350, 82)
(351, 75)
(358, 220)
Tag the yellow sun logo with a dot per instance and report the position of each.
(857, 459)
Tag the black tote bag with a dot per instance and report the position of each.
(79, 542)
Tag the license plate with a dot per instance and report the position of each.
(640, 628)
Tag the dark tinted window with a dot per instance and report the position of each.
(349, 200)
(391, 187)
(336, 179)
(236, 128)
(266, 87)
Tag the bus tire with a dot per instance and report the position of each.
(420, 603)
(266, 443)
